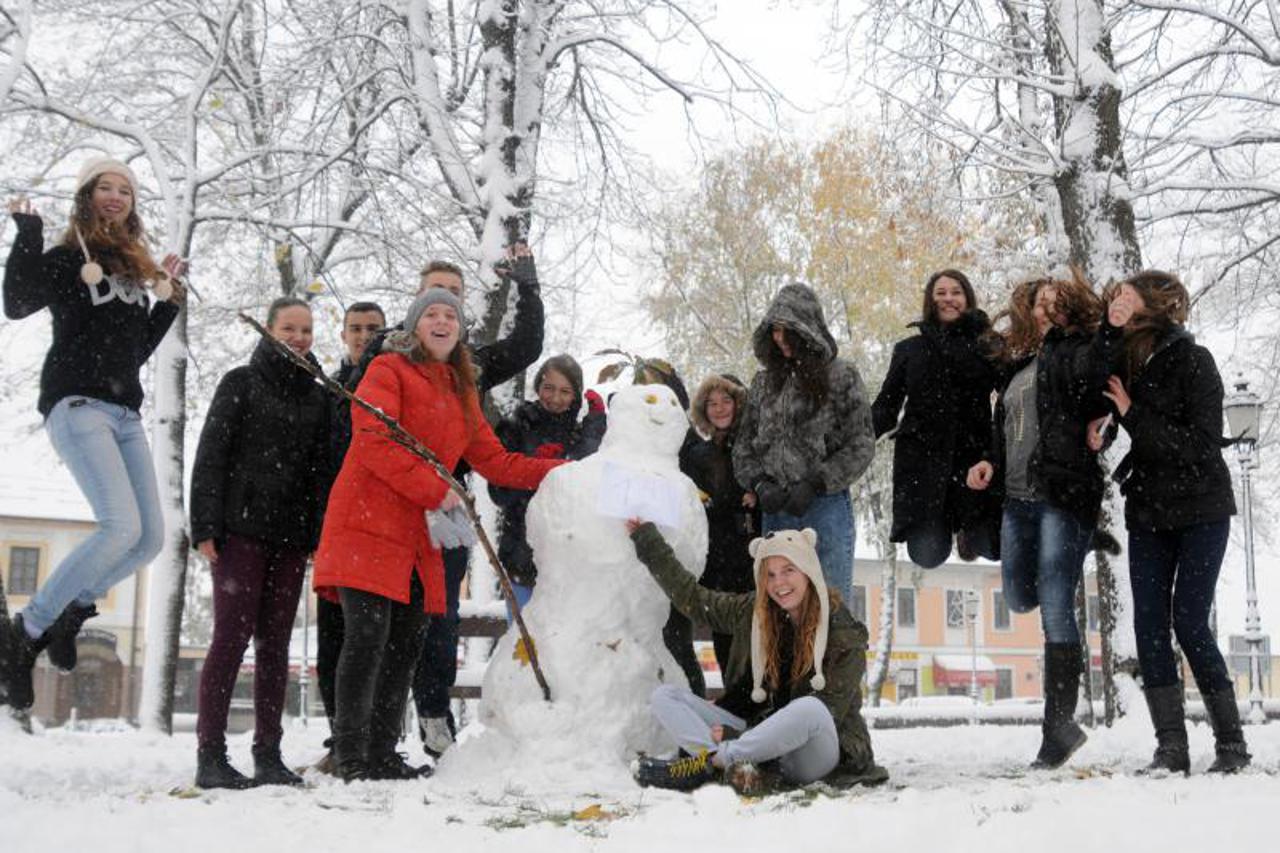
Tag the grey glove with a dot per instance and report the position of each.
(451, 529)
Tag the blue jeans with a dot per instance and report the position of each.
(437, 667)
(1042, 559)
(524, 594)
(105, 448)
(1173, 574)
(832, 517)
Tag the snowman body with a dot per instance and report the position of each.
(597, 615)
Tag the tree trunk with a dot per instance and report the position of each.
(1093, 181)
(166, 577)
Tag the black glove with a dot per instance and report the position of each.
(521, 270)
(802, 495)
(770, 496)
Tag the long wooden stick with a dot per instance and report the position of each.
(409, 442)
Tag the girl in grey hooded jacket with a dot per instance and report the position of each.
(806, 431)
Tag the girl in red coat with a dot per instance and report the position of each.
(376, 556)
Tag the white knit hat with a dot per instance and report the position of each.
(95, 167)
(798, 547)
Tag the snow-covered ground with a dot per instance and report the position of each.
(952, 789)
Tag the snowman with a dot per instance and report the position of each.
(596, 616)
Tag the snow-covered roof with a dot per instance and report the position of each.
(51, 495)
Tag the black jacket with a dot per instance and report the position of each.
(1071, 375)
(945, 378)
(1174, 475)
(262, 467)
(102, 334)
(730, 525)
(494, 363)
(533, 431)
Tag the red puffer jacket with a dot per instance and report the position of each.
(374, 534)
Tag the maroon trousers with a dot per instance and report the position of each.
(256, 587)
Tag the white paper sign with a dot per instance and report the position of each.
(626, 493)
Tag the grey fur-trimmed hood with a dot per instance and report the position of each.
(796, 307)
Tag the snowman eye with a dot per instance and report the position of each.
(673, 402)
(651, 399)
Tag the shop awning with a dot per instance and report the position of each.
(958, 670)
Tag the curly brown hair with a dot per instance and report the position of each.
(1076, 308)
(774, 622)
(1166, 304)
(119, 249)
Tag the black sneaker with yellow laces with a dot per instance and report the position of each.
(678, 774)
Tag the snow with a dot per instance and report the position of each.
(953, 789)
(596, 619)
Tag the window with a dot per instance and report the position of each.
(1094, 608)
(906, 607)
(907, 687)
(24, 570)
(955, 608)
(858, 606)
(1004, 684)
(1001, 619)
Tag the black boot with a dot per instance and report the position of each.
(1168, 718)
(63, 632)
(1231, 754)
(1060, 737)
(213, 770)
(395, 767)
(18, 654)
(269, 768)
(349, 754)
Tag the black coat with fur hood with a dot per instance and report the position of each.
(709, 463)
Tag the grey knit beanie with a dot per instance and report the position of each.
(404, 341)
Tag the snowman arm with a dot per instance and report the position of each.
(722, 611)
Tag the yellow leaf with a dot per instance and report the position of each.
(315, 287)
(592, 812)
(520, 653)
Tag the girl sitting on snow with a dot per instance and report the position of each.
(792, 681)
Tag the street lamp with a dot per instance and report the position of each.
(971, 600)
(1243, 409)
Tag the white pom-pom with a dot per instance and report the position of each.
(162, 288)
(758, 694)
(91, 273)
(818, 682)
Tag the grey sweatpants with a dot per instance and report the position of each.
(801, 735)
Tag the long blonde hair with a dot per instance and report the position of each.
(118, 248)
(771, 619)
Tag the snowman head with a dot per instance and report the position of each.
(645, 419)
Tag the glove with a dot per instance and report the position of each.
(451, 529)
(550, 450)
(521, 270)
(802, 495)
(595, 405)
(772, 497)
